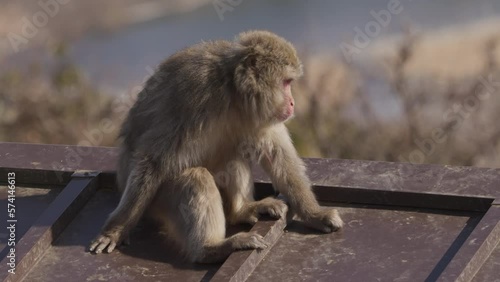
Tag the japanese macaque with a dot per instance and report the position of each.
(181, 159)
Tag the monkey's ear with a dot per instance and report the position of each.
(247, 71)
(253, 57)
(251, 62)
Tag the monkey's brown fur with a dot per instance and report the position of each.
(186, 141)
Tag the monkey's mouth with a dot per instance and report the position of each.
(289, 111)
(286, 115)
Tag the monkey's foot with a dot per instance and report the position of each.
(107, 242)
(247, 240)
(251, 211)
(219, 252)
(326, 220)
(272, 206)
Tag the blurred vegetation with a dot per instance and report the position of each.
(445, 117)
(81, 16)
(57, 107)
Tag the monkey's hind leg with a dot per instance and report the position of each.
(199, 218)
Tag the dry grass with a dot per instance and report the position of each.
(57, 108)
(438, 82)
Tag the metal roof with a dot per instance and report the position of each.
(404, 222)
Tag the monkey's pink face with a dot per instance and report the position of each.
(287, 103)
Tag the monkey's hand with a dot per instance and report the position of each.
(108, 241)
(326, 220)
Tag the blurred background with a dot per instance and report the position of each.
(408, 81)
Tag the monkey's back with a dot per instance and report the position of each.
(188, 91)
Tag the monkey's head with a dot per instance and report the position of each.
(267, 66)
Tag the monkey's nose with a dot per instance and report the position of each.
(292, 103)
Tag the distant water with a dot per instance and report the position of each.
(119, 60)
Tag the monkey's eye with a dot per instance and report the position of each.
(287, 82)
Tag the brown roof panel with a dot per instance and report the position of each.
(404, 222)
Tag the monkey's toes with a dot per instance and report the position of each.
(279, 210)
(250, 240)
(274, 207)
(103, 243)
(252, 219)
(256, 241)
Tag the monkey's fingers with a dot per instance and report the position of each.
(331, 226)
(102, 242)
(327, 220)
(331, 221)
